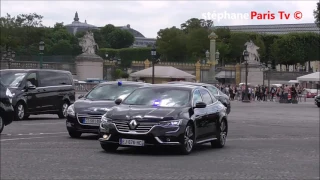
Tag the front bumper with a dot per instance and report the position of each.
(8, 113)
(157, 135)
(73, 124)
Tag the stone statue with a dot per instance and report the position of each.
(88, 44)
(253, 52)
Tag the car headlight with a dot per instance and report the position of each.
(171, 123)
(9, 93)
(70, 110)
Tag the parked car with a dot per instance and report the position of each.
(39, 91)
(165, 114)
(84, 116)
(223, 98)
(317, 100)
(311, 93)
(6, 109)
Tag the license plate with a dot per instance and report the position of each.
(131, 142)
(91, 121)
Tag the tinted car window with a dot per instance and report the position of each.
(12, 78)
(196, 97)
(54, 79)
(110, 92)
(206, 96)
(213, 90)
(163, 97)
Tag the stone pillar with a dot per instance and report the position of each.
(89, 66)
(146, 64)
(212, 71)
(198, 71)
(238, 74)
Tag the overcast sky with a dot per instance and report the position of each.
(149, 16)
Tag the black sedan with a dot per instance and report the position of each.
(85, 114)
(223, 98)
(6, 109)
(165, 114)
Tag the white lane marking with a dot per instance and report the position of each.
(41, 133)
(42, 123)
(15, 139)
(271, 138)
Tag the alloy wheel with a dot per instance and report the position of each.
(64, 109)
(1, 124)
(188, 138)
(223, 133)
(20, 112)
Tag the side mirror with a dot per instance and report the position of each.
(200, 105)
(81, 96)
(118, 101)
(30, 86)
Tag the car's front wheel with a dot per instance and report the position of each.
(1, 124)
(188, 140)
(318, 104)
(109, 147)
(63, 110)
(74, 134)
(222, 133)
(19, 111)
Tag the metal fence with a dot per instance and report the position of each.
(84, 87)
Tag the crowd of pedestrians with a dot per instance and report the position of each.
(263, 93)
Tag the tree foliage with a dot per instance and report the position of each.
(316, 14)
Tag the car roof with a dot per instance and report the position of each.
(189, 83)
(179, 86)
(125, 83)
(43, 70)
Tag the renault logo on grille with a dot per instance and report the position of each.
(133, 124)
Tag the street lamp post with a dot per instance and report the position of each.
(41, 49)
(245, 57)
(153, 55)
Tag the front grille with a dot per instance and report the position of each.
(80, 117)
(143, 127)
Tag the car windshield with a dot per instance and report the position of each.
(11, 78)
(110, 92)
(163, 97)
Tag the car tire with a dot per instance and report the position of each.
(1, 124)
(19, 111)
(188, 140)
(74, 134)
(63, 110)
(109, 147)
(26, 116)
(318, 104)
(221, 135)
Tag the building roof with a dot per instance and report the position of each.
(163, 72)
(134, 32)
(77, 26)
(274, 28)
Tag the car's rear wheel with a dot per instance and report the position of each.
(19, 111)
(1, 124)
(74, 134)
(63, 110)
(222, 133)
(109, 147)
(188, 140)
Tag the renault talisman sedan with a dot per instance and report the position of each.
(165, 114)
(85, 114)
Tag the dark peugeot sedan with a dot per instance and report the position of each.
(84, 116)
(223, 98)
(6, 109)
(165, 114)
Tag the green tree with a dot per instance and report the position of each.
(171, 44)
(197, 43)
(316, 14)
(195, 23)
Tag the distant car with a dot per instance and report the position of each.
(84, 116)
(223, 98)
(6, 109)
(317, 100)
(165, 114)
(39, 91)
(311, 93)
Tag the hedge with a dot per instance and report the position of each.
(127, 55)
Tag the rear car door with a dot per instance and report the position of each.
(49, 89)
(212, 112)
(199, 115)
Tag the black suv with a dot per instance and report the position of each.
(39, 91)
(6, 109)
(223, 98)
(84, 116)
